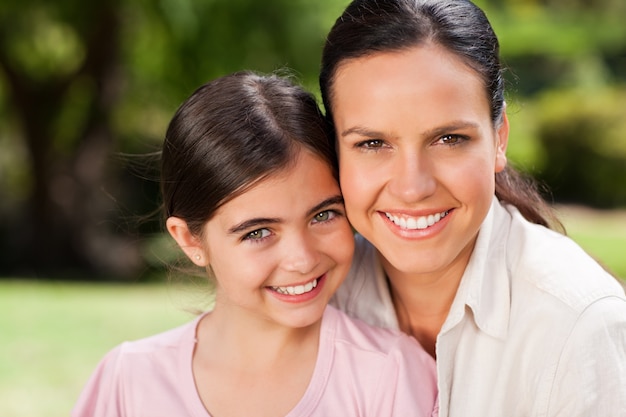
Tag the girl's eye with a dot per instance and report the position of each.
(370, 144)
(324, 216)
(257, 234)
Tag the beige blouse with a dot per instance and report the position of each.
(537, 327)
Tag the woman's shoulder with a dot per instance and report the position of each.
(554, 264)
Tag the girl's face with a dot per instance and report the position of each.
(281, 249)
(417, 153)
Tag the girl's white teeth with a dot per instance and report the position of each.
(412, 223)
(297, 289)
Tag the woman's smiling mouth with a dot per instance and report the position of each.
(412, 223)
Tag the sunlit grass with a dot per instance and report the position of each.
(602, 233)
(52, 335)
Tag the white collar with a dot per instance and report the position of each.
(485, 285)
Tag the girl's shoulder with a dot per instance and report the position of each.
(356, 335)
(384, 370)
(150, 372)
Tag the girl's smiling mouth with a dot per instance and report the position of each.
(297, 289)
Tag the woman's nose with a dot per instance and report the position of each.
(412, 178)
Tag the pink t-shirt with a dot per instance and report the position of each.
(360, 371)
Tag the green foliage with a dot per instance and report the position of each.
(173, 47)
(82, 82)
(582, 134)
(566, 78)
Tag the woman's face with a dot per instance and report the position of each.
(280, 250)
(417, 155)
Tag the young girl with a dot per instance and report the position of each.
(250, 193)
(457, 253)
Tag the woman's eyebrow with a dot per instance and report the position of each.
(362, 131)
(439, 130)
(450, 127)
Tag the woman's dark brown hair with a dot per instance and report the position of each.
(371, 26)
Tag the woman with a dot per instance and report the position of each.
(455, 248)
(241, 202)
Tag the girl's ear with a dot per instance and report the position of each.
(502, 142)
(189, 243)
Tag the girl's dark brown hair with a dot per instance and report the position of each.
(371, 26)
(231, 133)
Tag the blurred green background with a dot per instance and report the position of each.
(87, 90)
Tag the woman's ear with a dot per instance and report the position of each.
(502, 139)
(188, 242)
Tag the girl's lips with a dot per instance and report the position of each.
(296, 289)
(299, 293)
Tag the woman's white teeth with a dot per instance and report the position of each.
(297, 289)
(412, 223)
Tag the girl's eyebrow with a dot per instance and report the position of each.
(337, 199)
(248, 224)
(259, 221)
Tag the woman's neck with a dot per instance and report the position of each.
(422, 303)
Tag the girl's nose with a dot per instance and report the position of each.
(301, 254)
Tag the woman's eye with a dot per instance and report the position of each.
(257, 234)
(324, 216)
(452, 139)
(370, 144)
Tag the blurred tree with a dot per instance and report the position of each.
(567, 72)
(82, 81)
(582, 134)
(60, 62)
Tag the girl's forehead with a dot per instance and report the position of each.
(303, 181)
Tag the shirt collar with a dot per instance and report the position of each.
(484, 287)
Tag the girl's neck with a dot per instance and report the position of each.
(267, 365)
(251, 341)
